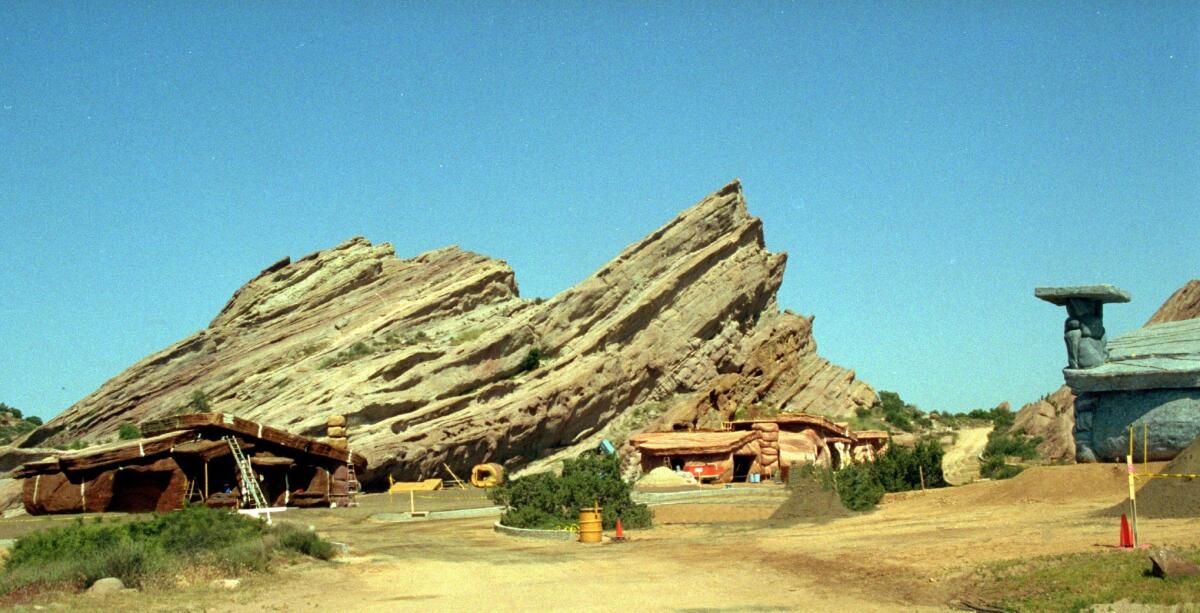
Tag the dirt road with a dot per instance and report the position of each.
(960, 465)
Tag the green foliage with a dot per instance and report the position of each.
(80, 553)
(15, 424)
(305, 542)
(891, 413)
(899, 468)
(129, 432)
(550, 502)
(1003, 443)
(345, 356)
(198, 403)
(858, 487)
(757, 410)
(15, 412)
(532, 360)
(1075, 582)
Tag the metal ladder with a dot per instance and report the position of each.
(353, 487)
(250, 490)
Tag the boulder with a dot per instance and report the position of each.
(107, 585)
(1170, 564)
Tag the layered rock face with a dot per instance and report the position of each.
(1053, 417)
(436, 359)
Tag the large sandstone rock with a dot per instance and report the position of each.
(1053, 417)
(424, 356)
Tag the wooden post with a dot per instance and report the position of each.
(1132, 496)
(456, 479)
(206, 479)
(921, 473)
(412, 503)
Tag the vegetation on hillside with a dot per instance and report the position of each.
(891, 413)
(1004, 443)
(551, 502)
(861, 486)
(13, 424)
(75, 556)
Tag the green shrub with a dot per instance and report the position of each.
(532, 360)
(305, 542)
(78, 554)
(549, 502)
(345, 356)
(858, 487)
(129, 432)
(900, 469)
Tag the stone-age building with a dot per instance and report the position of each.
(1148, 378)
(765, 447)
(187, 458)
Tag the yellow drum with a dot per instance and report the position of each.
(589, 525)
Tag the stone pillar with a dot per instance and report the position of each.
(1084, 328)
(337, 431)
(1087, 347)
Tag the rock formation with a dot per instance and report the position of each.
(437, 359)
(1053, 417)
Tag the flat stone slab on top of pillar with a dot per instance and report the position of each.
(1102, 293)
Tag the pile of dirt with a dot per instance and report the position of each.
(810, 501)
(1170, 497)
(663, 477)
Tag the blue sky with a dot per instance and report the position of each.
(925, 165)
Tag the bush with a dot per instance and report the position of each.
(532, 360)
(345, 356)
(78, 554)
(129, 432)
(899, 469)
(858, 487)
(305, 542)
(550, 502)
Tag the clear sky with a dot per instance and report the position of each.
(924, 164)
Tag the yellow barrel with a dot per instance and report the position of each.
(589, 525)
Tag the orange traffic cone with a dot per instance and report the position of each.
(1126, 533)
(620, 534)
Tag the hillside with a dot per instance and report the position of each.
(437, 359)
(1053, 416)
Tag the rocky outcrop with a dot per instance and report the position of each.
(1183, 304)
(1053, 417)
(437, 359)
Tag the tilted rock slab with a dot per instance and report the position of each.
(428, 357)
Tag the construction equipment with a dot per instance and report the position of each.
(425, 485)
(251, 493)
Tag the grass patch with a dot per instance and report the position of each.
(1076, 581)
(75, 556)
(345, 356)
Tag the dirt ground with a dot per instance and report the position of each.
(917, 551)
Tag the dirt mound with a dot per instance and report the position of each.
(1170, 497)
(663, 477)
(810, 501)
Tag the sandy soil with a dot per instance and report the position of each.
(917, 551)
(960, 465)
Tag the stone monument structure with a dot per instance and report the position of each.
(1149, 377)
